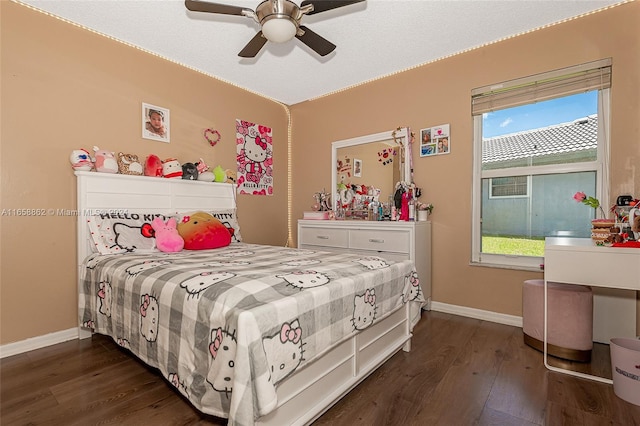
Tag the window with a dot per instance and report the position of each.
(537, 141)
(510, 186)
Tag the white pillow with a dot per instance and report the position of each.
(122, 233)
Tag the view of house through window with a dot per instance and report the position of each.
(531, 159)
(515, 221)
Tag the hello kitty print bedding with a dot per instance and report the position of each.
(225, 326)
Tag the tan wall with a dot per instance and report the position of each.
(65, 88)
(439, 93)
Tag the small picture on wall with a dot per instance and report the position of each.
(357, 167)
(435, 141)
(155, 123)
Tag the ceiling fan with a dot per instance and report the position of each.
(279, 20)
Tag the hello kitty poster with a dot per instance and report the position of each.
(254, 148)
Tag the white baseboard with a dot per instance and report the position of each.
(72, 333)
(477, 313)
(38, 342)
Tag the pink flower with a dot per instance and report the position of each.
(579, 196)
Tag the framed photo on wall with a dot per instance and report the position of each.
(435, 140)
(357, 167)
(155, 123)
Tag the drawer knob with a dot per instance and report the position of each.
(376, 240)
(322, 237)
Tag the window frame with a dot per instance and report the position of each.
(600, 166)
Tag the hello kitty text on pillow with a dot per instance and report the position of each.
(227, 217)
(202, 231)
(114, 233)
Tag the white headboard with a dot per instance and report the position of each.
(106, 191)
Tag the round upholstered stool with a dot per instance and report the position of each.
(569, 319)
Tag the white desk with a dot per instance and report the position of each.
(580, 261)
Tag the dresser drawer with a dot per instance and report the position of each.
(329, 237)
(380, 240)
(389, 255)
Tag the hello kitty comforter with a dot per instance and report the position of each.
(225, 326)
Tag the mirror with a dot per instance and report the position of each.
(369, 160)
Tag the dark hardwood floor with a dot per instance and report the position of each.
(460, 371)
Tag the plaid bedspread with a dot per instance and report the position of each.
(225, 326)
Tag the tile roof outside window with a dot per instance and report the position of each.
(579, 135)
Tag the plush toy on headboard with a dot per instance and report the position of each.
(105, 161)
(203, 172)
(81, 160)
(168, 239)
(153, 166)
(129, 164)
(189, 171)
(231, 176)
(171, 168)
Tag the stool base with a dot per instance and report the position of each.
(558, 351)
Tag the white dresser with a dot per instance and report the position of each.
(389, 240)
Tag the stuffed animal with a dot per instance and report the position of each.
(201, 166)
(129, 164)
(202, 231)
(231, 176)
(153, 166)
(204, 174)
(168, 239)
(189, 171)
(81, 160)
(220, 175)
(105, 161)
(171, 168)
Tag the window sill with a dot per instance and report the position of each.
(503, 266)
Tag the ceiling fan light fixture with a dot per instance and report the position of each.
(279, 29)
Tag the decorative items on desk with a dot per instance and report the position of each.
(619, 231)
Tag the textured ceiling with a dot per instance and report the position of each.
(374, 38)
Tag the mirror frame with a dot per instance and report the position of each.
(401, 133)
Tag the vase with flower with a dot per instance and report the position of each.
(424, 210)
(600, 227)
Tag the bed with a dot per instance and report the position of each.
(253, 333)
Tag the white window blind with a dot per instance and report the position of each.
(563, 82)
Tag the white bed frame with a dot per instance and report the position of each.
(308, 393)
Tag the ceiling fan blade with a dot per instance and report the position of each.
(319, 44)
(323, 6)
(253, 47)
(203, 6)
